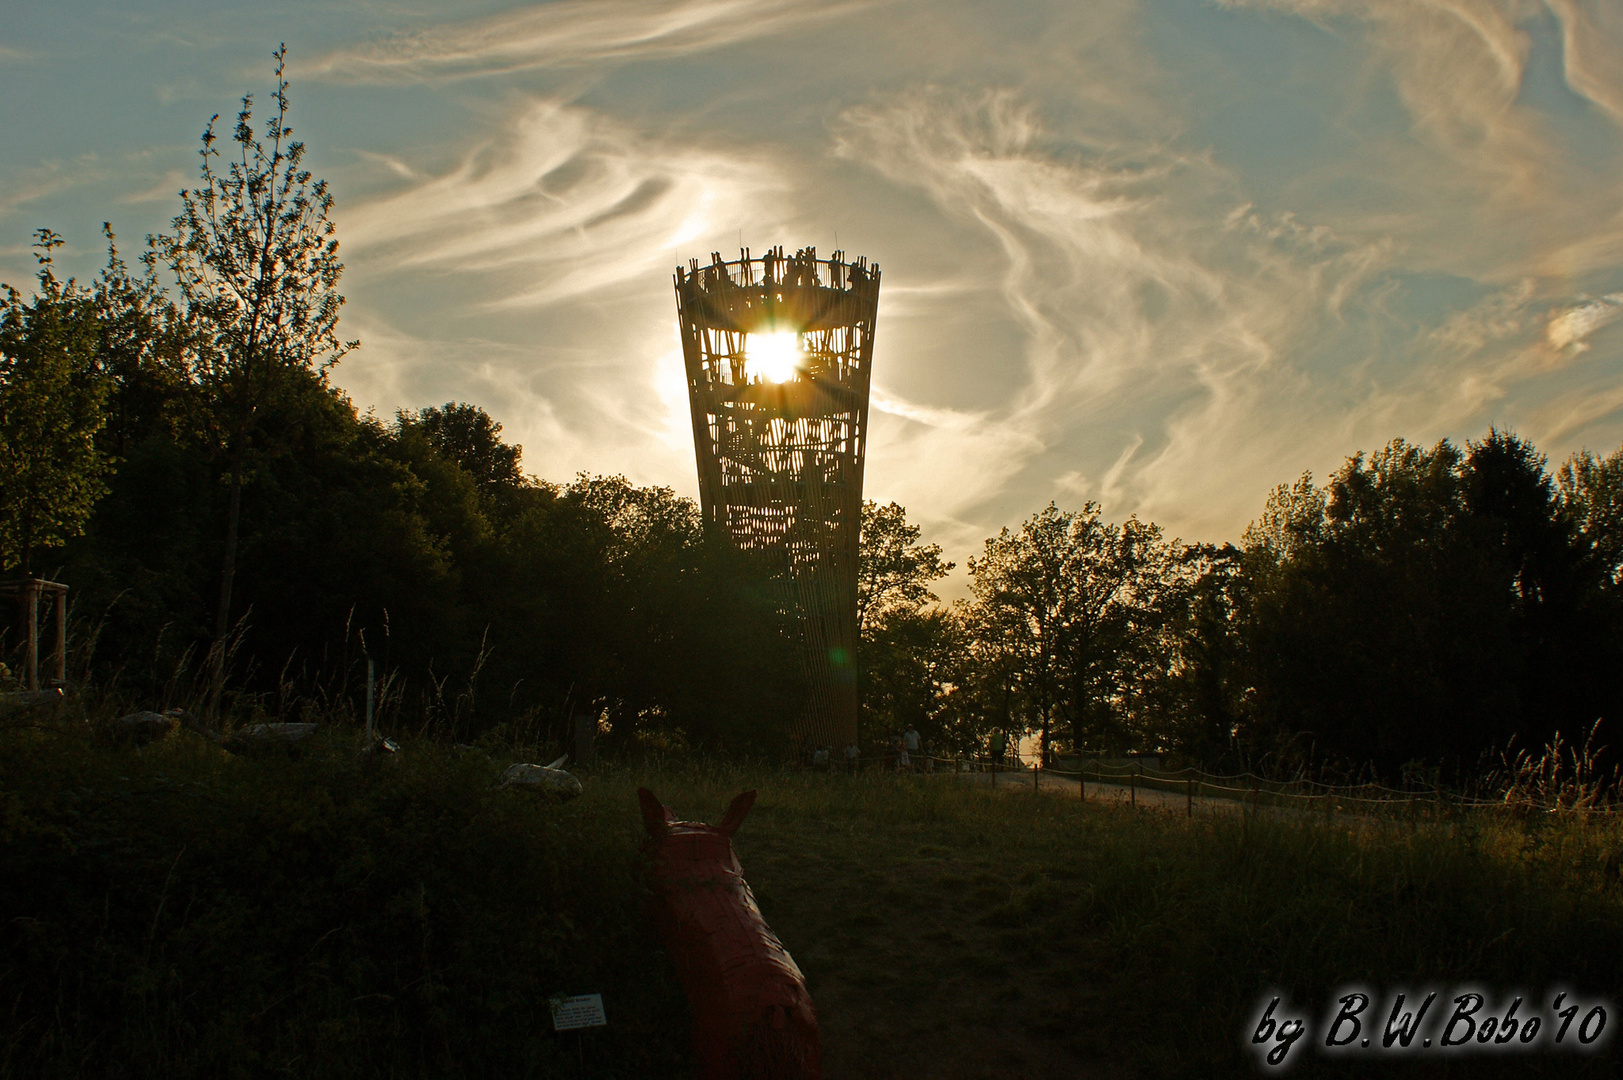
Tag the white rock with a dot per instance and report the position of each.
(544, 779)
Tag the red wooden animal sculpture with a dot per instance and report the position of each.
(752, 1016)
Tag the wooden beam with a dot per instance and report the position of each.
(780, 464)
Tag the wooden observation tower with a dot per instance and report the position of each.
(778, 352)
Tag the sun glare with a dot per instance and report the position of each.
(774, 357)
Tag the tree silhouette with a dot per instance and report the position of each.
(256, 260)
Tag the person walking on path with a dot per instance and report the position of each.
(853, 756)
(910, 745)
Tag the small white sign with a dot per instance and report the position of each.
(583, 1011)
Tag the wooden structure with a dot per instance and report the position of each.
(27, 593)
(780, 448)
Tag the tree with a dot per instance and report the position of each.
(1022, 585)
(894, 570)
(145, 351)
(1206, 693)
(467, 435)
(256, 260)
(902, 650)
(1590, 492)
(910, 668)
(1070, 608)
(1115, 636)
(51, 400)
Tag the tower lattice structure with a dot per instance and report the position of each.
(780, 462)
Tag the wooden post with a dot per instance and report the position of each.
(1256, 794)
(1082, 778)
(62, 635)
(371, 726)
(1034, 778)
(1132, 785)
(1189, 793)
(31, 638)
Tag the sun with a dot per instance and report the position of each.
(774, 357)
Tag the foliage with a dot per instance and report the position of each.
(52, 397)
(1428, 604)
(1069, 610)
(256, 263)
(905, 655)
(895, 569)
(465, 434)
(1590, 494)
(911, 669)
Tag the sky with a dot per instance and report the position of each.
(1159, 254)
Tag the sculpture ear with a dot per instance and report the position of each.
(655, 818)
(736, 810)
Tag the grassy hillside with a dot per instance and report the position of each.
(174, 911)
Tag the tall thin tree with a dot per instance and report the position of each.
(256, 258)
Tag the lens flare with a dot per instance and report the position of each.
(774, 357)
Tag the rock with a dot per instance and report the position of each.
(377, 748)
(32, 699)
(259, 738)
(548, 780)
(141, 728)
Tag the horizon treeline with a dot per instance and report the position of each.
(1421, 614)
(1422, 607)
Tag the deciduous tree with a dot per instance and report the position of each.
(256, 260)
(51, 407)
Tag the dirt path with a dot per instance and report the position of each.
(1143, 795)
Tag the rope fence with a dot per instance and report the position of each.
(1251, 789)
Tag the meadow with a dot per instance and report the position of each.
(173, 910)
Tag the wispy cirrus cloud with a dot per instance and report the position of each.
(946, 462)
(566, 203)
(1157, 315)
(554, 243)
(1184, 350)
(1460, 68)
(1592, 50)
(571, 33)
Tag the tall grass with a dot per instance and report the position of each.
(175, 911)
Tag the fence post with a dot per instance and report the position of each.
(1082, 778)
(1132, 784)
(62, 636)
(1256, 795)
(1034, 778)
(1189, 792)
(371, 681)
(31, 639)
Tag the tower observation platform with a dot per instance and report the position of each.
(778, 352)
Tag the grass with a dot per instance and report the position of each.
(174, 911)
